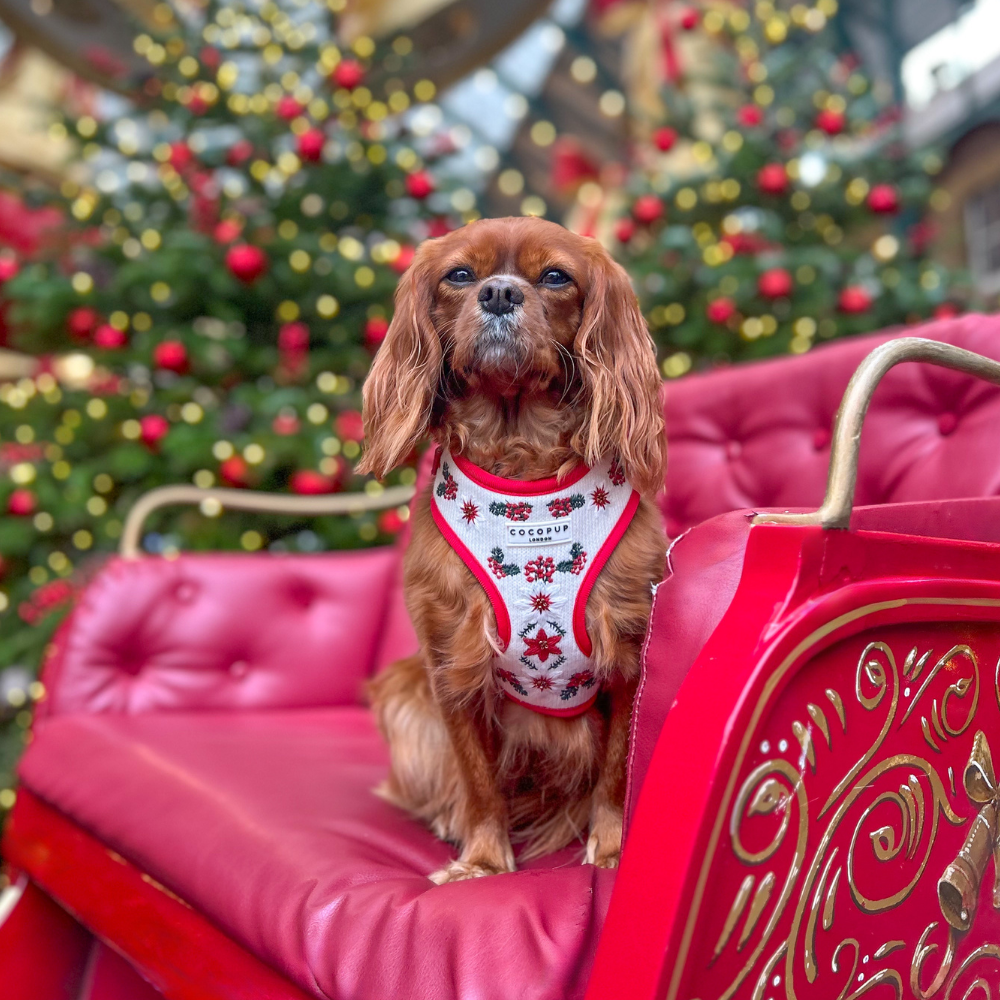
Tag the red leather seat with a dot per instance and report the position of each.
(204, 717)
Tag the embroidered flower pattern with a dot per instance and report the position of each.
(577, 560)
(498, 567)
(447, 489)
(542, 683)
(584, 679)
(616, 473)
(470, 511)
(511, 678)
(561, 506)
(600, 498)
(512, 511)
(540, 568)
(542, 645)
(541, 601)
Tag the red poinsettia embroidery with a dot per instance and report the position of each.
(540, 602)
(540, 568)
(616, 473)
(541, 683)
(543, 646)
(562, 506)
(470, 511)
(600, 497)
(511, 679)
(583, 679)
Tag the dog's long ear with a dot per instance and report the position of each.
(400, 388)
(621, 383)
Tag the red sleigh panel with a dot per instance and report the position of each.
(840, 842)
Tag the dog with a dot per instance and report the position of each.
(520, 350)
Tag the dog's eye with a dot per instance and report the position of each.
(460, 276)
(555, 277)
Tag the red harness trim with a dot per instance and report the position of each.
(559, 713)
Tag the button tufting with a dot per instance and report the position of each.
(821, 438)
(239, 668)
(185, 592)
(947, 422)
(733, 450)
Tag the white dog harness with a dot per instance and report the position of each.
(536, 547)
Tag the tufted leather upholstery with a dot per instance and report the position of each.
(263, 818)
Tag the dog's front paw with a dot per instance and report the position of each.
(458, 871)
(604, 845)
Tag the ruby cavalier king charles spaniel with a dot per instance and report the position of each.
(519, 349)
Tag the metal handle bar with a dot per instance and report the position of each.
(269, 503)
(843, 474)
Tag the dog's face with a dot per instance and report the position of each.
(517, 307)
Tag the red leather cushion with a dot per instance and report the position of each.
(759, 435)
(222, 631)
(266, 823)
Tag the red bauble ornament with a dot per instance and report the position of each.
(624, 230)
(239, 152)
(772, 178)
(404, 258)
(196, 104)
(309, 482)
(246, 262)
(775, 283)
(171, 355)
(647, 208)
(375, 330)
(293, 338)
(285, 424)
(82, 321)
(348, 73)
(288, 108)
(350, 426)
(181, 155)
(152, 429)
(419, 184)
(854, 299)
(210, 57)
(9, 268)
(884, 199)
(234, 471)
(21, 503)
(750, 115)
(311, 145)
(440, 225)
(390, 522)
(109, 337)
(664, 139)
(690, 19)
(720, 310)
(831, 122)
(227, 231)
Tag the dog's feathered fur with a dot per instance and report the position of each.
(568, 376)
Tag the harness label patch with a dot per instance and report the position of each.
(539, 532)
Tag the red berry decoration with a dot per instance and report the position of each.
(109, 337)
(234, 471)
(772, 178)
(884, 199)
(664, 139)
(21, 503)
(350, 426)
(82, 322)
(288, 108)
(246, 262)
(854, 299)
(153, 428)
(9, 268)
(375, 330)
(181, 155)
(348, 73)
(775, 284)
(690, 19)
(647, 208)
(419, 184)
(293, 338)
(720, 310)
(239, 152)
(311, 145)
(624, 230)
(309, 482)
(171, 355)
(831, 122)
(750, 115)
(403, 259)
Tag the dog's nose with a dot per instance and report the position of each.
(499, 297)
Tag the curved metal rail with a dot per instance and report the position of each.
(843, 475)
(265, 503)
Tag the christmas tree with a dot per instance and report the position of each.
(775, 203)
(208, 309)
